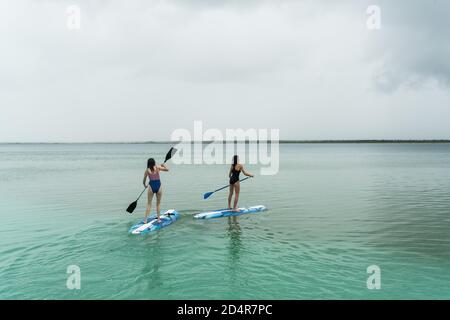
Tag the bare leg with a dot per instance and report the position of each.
(237, 189)
(230, 195)
(149, 204)
(158, 204)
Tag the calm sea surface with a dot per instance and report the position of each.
(334, 210)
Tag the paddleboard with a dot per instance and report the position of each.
(229, 213)
(168, 217)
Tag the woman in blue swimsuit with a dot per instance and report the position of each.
(152, 172)
(235, 186)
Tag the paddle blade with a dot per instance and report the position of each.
(132, 206)
(170, 154)
(207, 195)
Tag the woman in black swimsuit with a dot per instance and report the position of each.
(235, 186)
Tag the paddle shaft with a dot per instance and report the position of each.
(229, 185)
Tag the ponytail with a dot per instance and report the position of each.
(235, 161)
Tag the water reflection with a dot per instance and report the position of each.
(153, 261)
(235, 246)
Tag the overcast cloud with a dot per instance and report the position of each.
(138, 69)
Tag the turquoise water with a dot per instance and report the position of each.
(335, 209)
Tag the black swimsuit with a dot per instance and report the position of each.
(234, 176)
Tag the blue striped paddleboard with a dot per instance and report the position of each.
(229, 212)
(167, 218)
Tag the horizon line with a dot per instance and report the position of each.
(284, 141)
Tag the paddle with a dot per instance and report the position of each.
(208, 194)
(133, 205)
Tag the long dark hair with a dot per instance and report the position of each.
(235, 161)
(151, 164)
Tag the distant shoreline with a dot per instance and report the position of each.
(281, 142)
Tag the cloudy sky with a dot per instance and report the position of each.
(136, 70)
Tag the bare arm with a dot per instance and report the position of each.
(163, 167)
(229, 172)
(145, 178)
(248, 174)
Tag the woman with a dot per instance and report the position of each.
(152, 172)
(235, 186)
